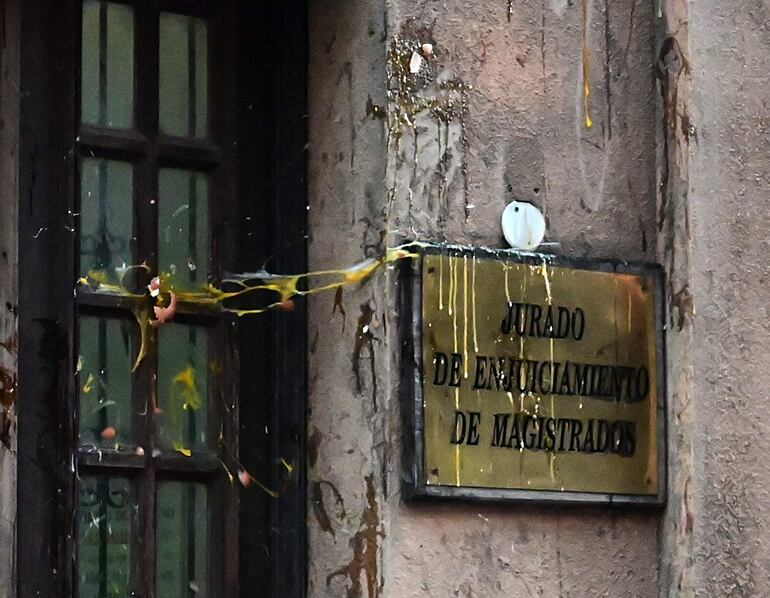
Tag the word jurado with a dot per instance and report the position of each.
(549, 321)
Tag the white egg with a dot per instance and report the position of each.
(523, 225)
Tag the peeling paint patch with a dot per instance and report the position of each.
(338, 305)
(365, 548)
(8, 391)
(314, 342)
(8, 386)
(8, 378)
(684, 304)
(5, 429)
(319, 507)
(671, 65)
(11, 343)
(374, 111)
(313, 442)
(365, 338)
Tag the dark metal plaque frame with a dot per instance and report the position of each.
(413, 474)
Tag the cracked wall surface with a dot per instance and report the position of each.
(496, 111)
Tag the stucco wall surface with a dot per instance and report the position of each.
(729, 184)
(508, 119)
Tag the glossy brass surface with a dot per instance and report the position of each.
(539, 377)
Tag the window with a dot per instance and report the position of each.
(152, 446)
(168, 139)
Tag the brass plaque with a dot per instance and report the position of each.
(538, 375)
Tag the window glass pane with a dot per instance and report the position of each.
(90, 92)
(184, 227)
(182, 540)
(104, 378)
(106, 217)
(183, 75)
(183, 387)
(107, 516)
(107, 64)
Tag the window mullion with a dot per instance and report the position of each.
(146, 204)
(146, 219)
(223, 60)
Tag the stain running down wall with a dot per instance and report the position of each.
(492, 108)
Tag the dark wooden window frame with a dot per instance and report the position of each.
(262, 136)
(148, 150)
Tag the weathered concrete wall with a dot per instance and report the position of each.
(509, 121)
(714, 220)
(676, 132)
(9, 194)
(727, 59)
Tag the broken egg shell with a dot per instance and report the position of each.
(154, 286)
(244, 478)
(163, 314)
(287, 305)
(415, 64)
(109, 433)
